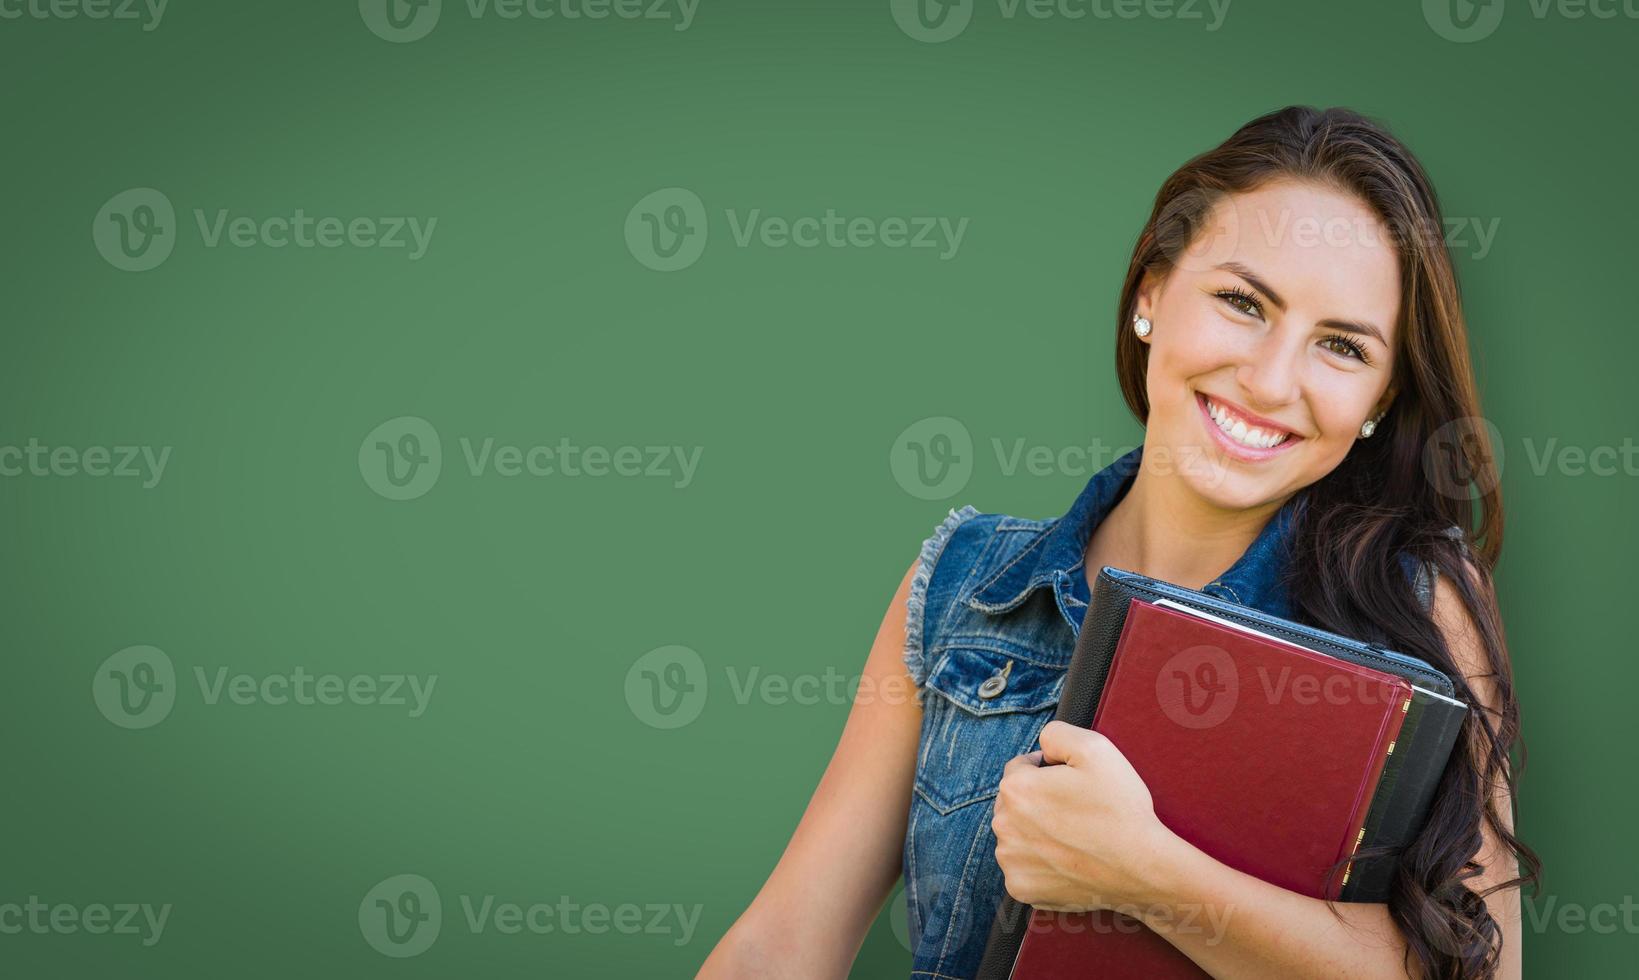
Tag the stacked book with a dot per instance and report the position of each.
(1276, 748)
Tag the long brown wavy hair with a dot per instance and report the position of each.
(1428, 469)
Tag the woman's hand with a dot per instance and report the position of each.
(1079, 835)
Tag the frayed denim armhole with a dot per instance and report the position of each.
(1423, 585)
(1428, 573)
(916, 603)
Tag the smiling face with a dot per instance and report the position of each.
(1273, 339)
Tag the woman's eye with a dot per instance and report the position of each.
(1241, 302)
(1345, 347)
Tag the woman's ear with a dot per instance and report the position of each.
(1144, 301)
(1383, 403)
(1143, 316)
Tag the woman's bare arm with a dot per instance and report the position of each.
(812, 914)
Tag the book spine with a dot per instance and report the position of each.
(1426, 751)
(1393, 718)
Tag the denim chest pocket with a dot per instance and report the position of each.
(987, 704)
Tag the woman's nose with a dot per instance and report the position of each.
(1271, 369)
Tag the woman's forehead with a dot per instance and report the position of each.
(1322, 250)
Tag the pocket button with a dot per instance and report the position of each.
(996, 683)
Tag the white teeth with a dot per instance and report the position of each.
(1237, 429)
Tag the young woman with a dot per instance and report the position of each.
(1291, 336)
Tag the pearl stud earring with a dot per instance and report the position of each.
(1141, 325)
(1368, 427)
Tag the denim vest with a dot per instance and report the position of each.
(997, 595)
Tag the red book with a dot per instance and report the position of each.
(1261, 753)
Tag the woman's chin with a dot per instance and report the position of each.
(1224, 481)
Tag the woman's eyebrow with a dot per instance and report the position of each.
(1348, 326)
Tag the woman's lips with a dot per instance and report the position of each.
(1251, 454)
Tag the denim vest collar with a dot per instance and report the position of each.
(1055, 558)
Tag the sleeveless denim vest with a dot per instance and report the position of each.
(998, 596)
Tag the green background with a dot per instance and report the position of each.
(531, 776)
